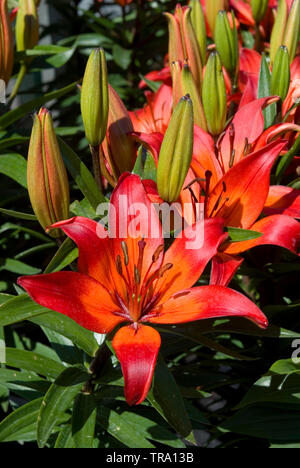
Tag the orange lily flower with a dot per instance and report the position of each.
(129, 280)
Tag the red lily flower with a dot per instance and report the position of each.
(131, 281)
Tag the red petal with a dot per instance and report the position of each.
(91, 237)
(78, 296)
(133, 217)
(204, 157)
(189, 261)
(152, 141)
(246, 186)
(280, 230)
(205, 302)
(223, 268)
(283, 200)
(137, 351)
(248, 125)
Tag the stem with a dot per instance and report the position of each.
(285, 160)
(20, 77)
(104, 170)
(96, 165)
(101, 357)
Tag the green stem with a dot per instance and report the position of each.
(96, 165)
(20, 77)
(286, 160)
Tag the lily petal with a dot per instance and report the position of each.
(137, 350)
(280, 230)
(95, 256)
(205, 302)
(240, 195)
(78, 296)
(223, 268)
(189, 258)
(283, 200)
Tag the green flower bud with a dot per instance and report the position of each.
(291, 34)
(227, 43)
(214, 95)
(6, 43)
(212, 7)
(280, 80)
(27, 25)
(198, 23)
(259, 8)
(47, 179)
(94, 98)
(188, 86)
(176, 151)
(278, 29)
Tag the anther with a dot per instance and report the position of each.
(125, 252)
(164, 268)
(157, 253)
(137, 276)
(119, 265)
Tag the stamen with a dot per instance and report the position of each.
(119, 265)
(142, 245)
(232, 158)
(125, 252)
(164, 268)
(219, 199)
(137, 276)
(122, 305)
(231, 140)
(157, 253)
(246, 147)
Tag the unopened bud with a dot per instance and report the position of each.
(47, 179)
(118, 147)
(94, 98)
(280, 80)
(183, 45)
(227, 43)
(259, 8)
(6, 43)
(198, 23)
(278, 29)
(176, 151)
(188, 86)
(214, 95)
(291, 33)
(27, 25)
(212, 7)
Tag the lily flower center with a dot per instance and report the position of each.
(140, 286)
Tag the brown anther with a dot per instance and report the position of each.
(232, 158)
(141, 245)
(246, 147)
(164, 268)
(157, 253)
(137, 276)
(119, 265)
(125, 252)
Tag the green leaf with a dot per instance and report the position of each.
(12, 116)
(81, 175)
(21, 423)
(19, 308)
(64, 438)
(12, 141)
(145, 165)
(118, 426)
(18, 214)
(264, 90)
(57, 400)
(15, 266)
(31, 361)
(239, 235)
(285, 366)
(62, 58)
(166, 398)
(121, 56)
(153, 85)
(46, 49)
(14, 166)
(65, 255)
(65, 326)
(84, 420)
(285, 160)
(274, 422)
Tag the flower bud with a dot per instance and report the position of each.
(47, 179)
(291, 33)
(189, 87)
(183, 45)
(118, 147)
(278, 28)
(212, 7)
(227, 43)
(214, 95)
(176, 151)
(94, 98)
(259, 8)
(280, 80)
(176, 68)
(6, 43)
(198, 23)
(27, 25)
